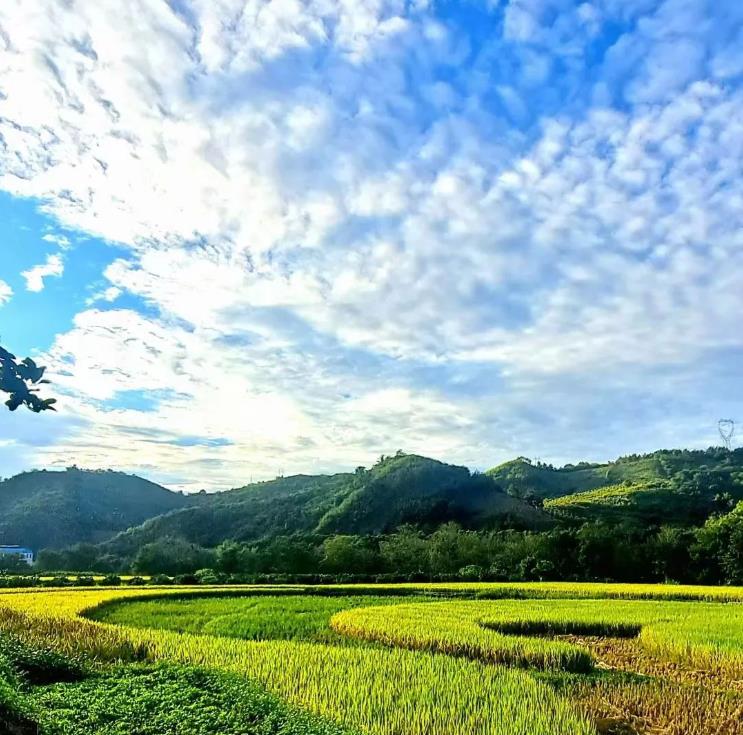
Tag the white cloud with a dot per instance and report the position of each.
(61, 240)
(51, 267)
(317, 215)
(6, 292)
(107, 294)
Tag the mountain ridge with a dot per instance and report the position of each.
(120, 512)
(402, 489)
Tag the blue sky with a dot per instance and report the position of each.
(251, 236)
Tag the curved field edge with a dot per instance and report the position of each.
(696, 634)
(466, 590)
(252, 617)
(349, 686)
(544, 590)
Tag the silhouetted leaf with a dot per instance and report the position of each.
(16, 379)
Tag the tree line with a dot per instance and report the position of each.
(593, 551)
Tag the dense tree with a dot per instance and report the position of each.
(48, 560)
(81, 557)
(671, 553)
(451, 548)
(289, 554)
(172, 556)
(712, 554)
(719, 548)
(230, 557)
(405, 552)
(18, 379)
(349, 554)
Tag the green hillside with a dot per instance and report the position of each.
(653, 503)
(122, 513)
(282, 506)
(408, 488)
(669, 486)
(43, 509)
(397, 490)
(709, 472)
(524, 479)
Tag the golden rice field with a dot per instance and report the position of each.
(698, 634)
(511, 659)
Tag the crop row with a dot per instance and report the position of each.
(380, 691)
(696, 634)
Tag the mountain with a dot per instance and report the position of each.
(523, 479)
(402, 489)
(122, 512)
(668, 486)
(43, 509)
(408, 488)
(654, 503)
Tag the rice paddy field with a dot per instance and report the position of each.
(480, 659)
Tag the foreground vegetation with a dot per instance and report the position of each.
(44, 692)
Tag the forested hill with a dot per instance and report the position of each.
(51, 509)
(397, 490)
(122, 513)
(667, 486)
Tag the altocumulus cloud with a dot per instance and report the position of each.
(358, 225)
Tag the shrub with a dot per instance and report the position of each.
(161, 579)
(38, 664)
(208, 576)
(111, 580)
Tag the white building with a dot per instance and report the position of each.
(17, 551)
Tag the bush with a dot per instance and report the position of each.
(186, 579)
(471, 573)
(168, 699)
(111, 580)
(161, 579)
(208, 576)
(38, 665)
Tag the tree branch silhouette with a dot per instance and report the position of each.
(18, 378)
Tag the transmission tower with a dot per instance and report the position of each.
(726, 427)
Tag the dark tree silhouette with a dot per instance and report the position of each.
(17, 379)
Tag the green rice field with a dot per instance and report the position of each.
(484, 659)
